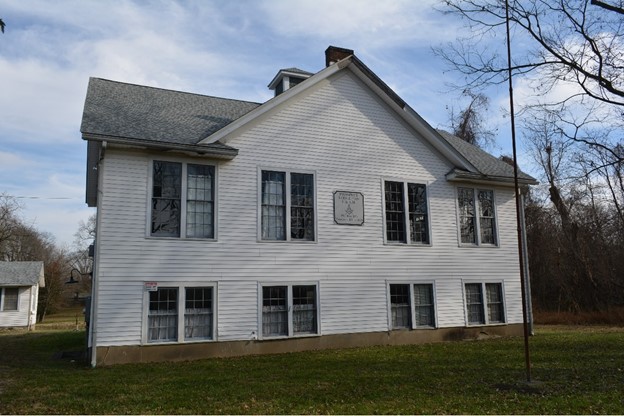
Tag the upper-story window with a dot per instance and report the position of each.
(287, 206)
(183, 200)
(476, 216)
(406, 213)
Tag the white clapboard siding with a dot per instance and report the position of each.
(351, 141)
(18, 318)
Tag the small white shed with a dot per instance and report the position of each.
(19, 289)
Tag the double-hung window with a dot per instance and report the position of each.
(9, 298)
(476, 216)
(488, 310)
(177, 313)
(411, 305)
(287, 205)
(183, 200)
(289, 310)
(406, 213)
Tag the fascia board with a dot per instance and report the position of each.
(467, 177)
(227, 154)
(222, 135)
(417, 123)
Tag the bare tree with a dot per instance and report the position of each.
(565, 41)
(470, 124)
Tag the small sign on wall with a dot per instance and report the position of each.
(151, 286)
(348, 208)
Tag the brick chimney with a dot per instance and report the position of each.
(334, 54)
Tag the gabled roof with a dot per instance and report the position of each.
(21, 273)
(172, 120)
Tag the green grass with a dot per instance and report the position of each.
(579, 371)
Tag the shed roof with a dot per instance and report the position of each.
(21, 273)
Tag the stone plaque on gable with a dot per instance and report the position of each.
(348, 208)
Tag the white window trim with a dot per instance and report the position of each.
(411, 284)
(289, 286)
(3, 293)
(181, 300)
(287, 173)
(475, 190)
(183, 192)
(406, 213)
(484, 296)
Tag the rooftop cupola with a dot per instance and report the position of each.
(288, 78)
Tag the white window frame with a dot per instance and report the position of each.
(406, 221)
(183, 198)
(287, 173)
(289, 286)
(2, 299)
(181, 286)
(475, 191)
(411, 284)
(485, 310)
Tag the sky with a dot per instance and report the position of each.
(223, 48)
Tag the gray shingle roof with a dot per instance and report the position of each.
(20, 273)
(156, 115)
(485, 163)
(296, 71)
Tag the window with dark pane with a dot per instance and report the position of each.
(200, 201)
(395, 212)
(198, 313)
(423, 305)
(496, 310)
(274, 311)
(273, 205)
(466, 205)
(486, 217)
(163, 315)
(304, 309)
(301, 206)
(474, 303)
(400, 306)
(166, 195)
(11, 298)
(418, 218)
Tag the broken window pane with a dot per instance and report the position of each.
(166, 194)
(302, 206)
(419, 228)
(486, 217)
(465, 201)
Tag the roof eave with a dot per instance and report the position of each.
(202, 149)
(462, 176)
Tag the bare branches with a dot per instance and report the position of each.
(567, 42)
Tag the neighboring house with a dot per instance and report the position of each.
(19, 290)
(330, 216)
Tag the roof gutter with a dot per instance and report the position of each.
(209, 149)
(460, 176)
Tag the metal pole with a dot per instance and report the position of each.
(527, 355)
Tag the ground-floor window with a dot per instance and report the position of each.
(180, 313)
(488, 310)
(412, 305)
(289, 310)
(9, 297)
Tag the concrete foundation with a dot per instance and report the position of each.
(195, 351)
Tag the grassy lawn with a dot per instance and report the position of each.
(580, 371)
